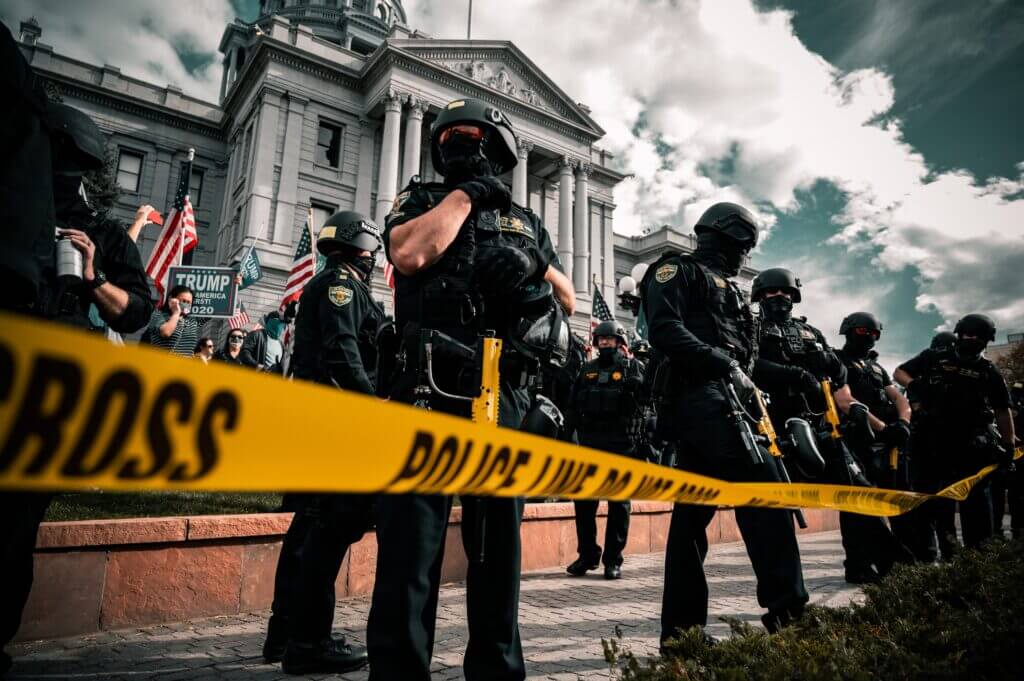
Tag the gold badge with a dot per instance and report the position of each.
(591, 375)
(804, 333)
(340, 295)
(719, 282)
(616, 375)
(328, 232)
(666, 272)
(457, 104)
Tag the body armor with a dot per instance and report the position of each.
(607, 404)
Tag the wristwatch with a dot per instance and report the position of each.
(99, 279)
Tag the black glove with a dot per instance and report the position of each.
(502, 268)
(897, 434)
(743, 385)
(804, 381)
(487, 192)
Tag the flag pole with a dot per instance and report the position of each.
(181, 231)
(469, 22)
(252, 246)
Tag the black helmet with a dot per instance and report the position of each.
(979, 325)
(776, 277)
(541, 331)
(501, 143)
(860, 320)
(610, 328)
(349, 228)
(78, 143)
(942, 340)
(729, 219)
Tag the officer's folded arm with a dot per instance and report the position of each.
(419, 243)
(564, 290)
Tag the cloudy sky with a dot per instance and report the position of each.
(879, 139)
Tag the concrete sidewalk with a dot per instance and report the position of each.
(562, 621)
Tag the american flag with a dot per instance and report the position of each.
(178, 236)
(389, 274)
(600, 311)
(303, 265)
(241, 318)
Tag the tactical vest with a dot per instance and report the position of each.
(722, 318)
(867, 383)
(956, 390)
(792, 342)
(607, 404)
(443, 296)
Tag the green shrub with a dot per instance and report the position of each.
(98, 505)
(962, 620)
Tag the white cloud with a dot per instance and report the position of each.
(138, 37)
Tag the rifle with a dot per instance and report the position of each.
(484, 407)
(766, 435)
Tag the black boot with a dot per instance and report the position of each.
(861, 575)
(333, 656)
(277, 639)
(582, 566)
(612, 572)
(773, 620)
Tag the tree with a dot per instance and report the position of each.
(1012, 364)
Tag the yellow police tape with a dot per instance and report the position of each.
(77, 413)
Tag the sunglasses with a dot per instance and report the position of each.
(863, 331)
(236, 338)
(473, 132)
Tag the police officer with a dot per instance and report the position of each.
(606, 414)
(795, 358)
(965, 424)
(943, 340)
(335, 334)
(107, 277)
(889, 412)
(700, 321)
(463, 253)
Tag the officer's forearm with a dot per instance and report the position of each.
(420, 242)
(1004, 420)
(902, 377)
(844, 398)
(111, 301)
(877, 424)
(900, 401)
(564, 291)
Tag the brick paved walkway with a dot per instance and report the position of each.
(562, 621)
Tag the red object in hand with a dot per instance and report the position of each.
(155, 218)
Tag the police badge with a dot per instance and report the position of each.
(339, 295)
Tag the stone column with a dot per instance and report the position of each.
(565, 168)
(581, 229)
(520, 186)
(413, 143)
(388, 177)
(284, 217)
(261, 169)
(364, 180)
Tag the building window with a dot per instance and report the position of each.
(129, 170)
(195, 187)
(247, 149)
(321, 211)
(328, 145)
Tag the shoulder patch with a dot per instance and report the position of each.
(719, 281)
(666, 272)
(396, 206)
(339, 295)
(807, 333)
(591, 375)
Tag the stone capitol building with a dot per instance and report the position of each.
(327, 105)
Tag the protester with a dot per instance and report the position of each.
(171, 327)
(141, 220)
(263, 349)
(232, 350)
(203, 350)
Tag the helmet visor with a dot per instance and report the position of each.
(864, 331)
(473, 132)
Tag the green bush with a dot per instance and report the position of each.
(961, 620)
(98, 505)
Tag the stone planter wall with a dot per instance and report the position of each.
(110, 574)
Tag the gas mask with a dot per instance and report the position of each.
(970, 347)
(858, 345)
(777, 308)
(721, 252)
(464, 158)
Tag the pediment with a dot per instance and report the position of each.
(502, 67)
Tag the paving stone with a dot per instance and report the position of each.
(562, 621)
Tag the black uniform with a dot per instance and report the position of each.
(335, 334)
(953, 439)
(701, 321)
(867, 540)
(605, 412)
(868, 381)
(412, 529)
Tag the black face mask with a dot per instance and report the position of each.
(970, 347)
(720, 252)
(67, 196)
(606, 355)
(859, 346)
(464, 159)
(363, 264)
(777, 308)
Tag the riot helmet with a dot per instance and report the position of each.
(348, 228)
(943, 340)
(861, 320)
(775, 278)
(77, 142)
(470, 137)
(977, 325)
(540, 331)
(610, 328)
(731, 220)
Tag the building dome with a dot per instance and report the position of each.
(359, 25)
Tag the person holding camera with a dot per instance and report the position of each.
(171, 327)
